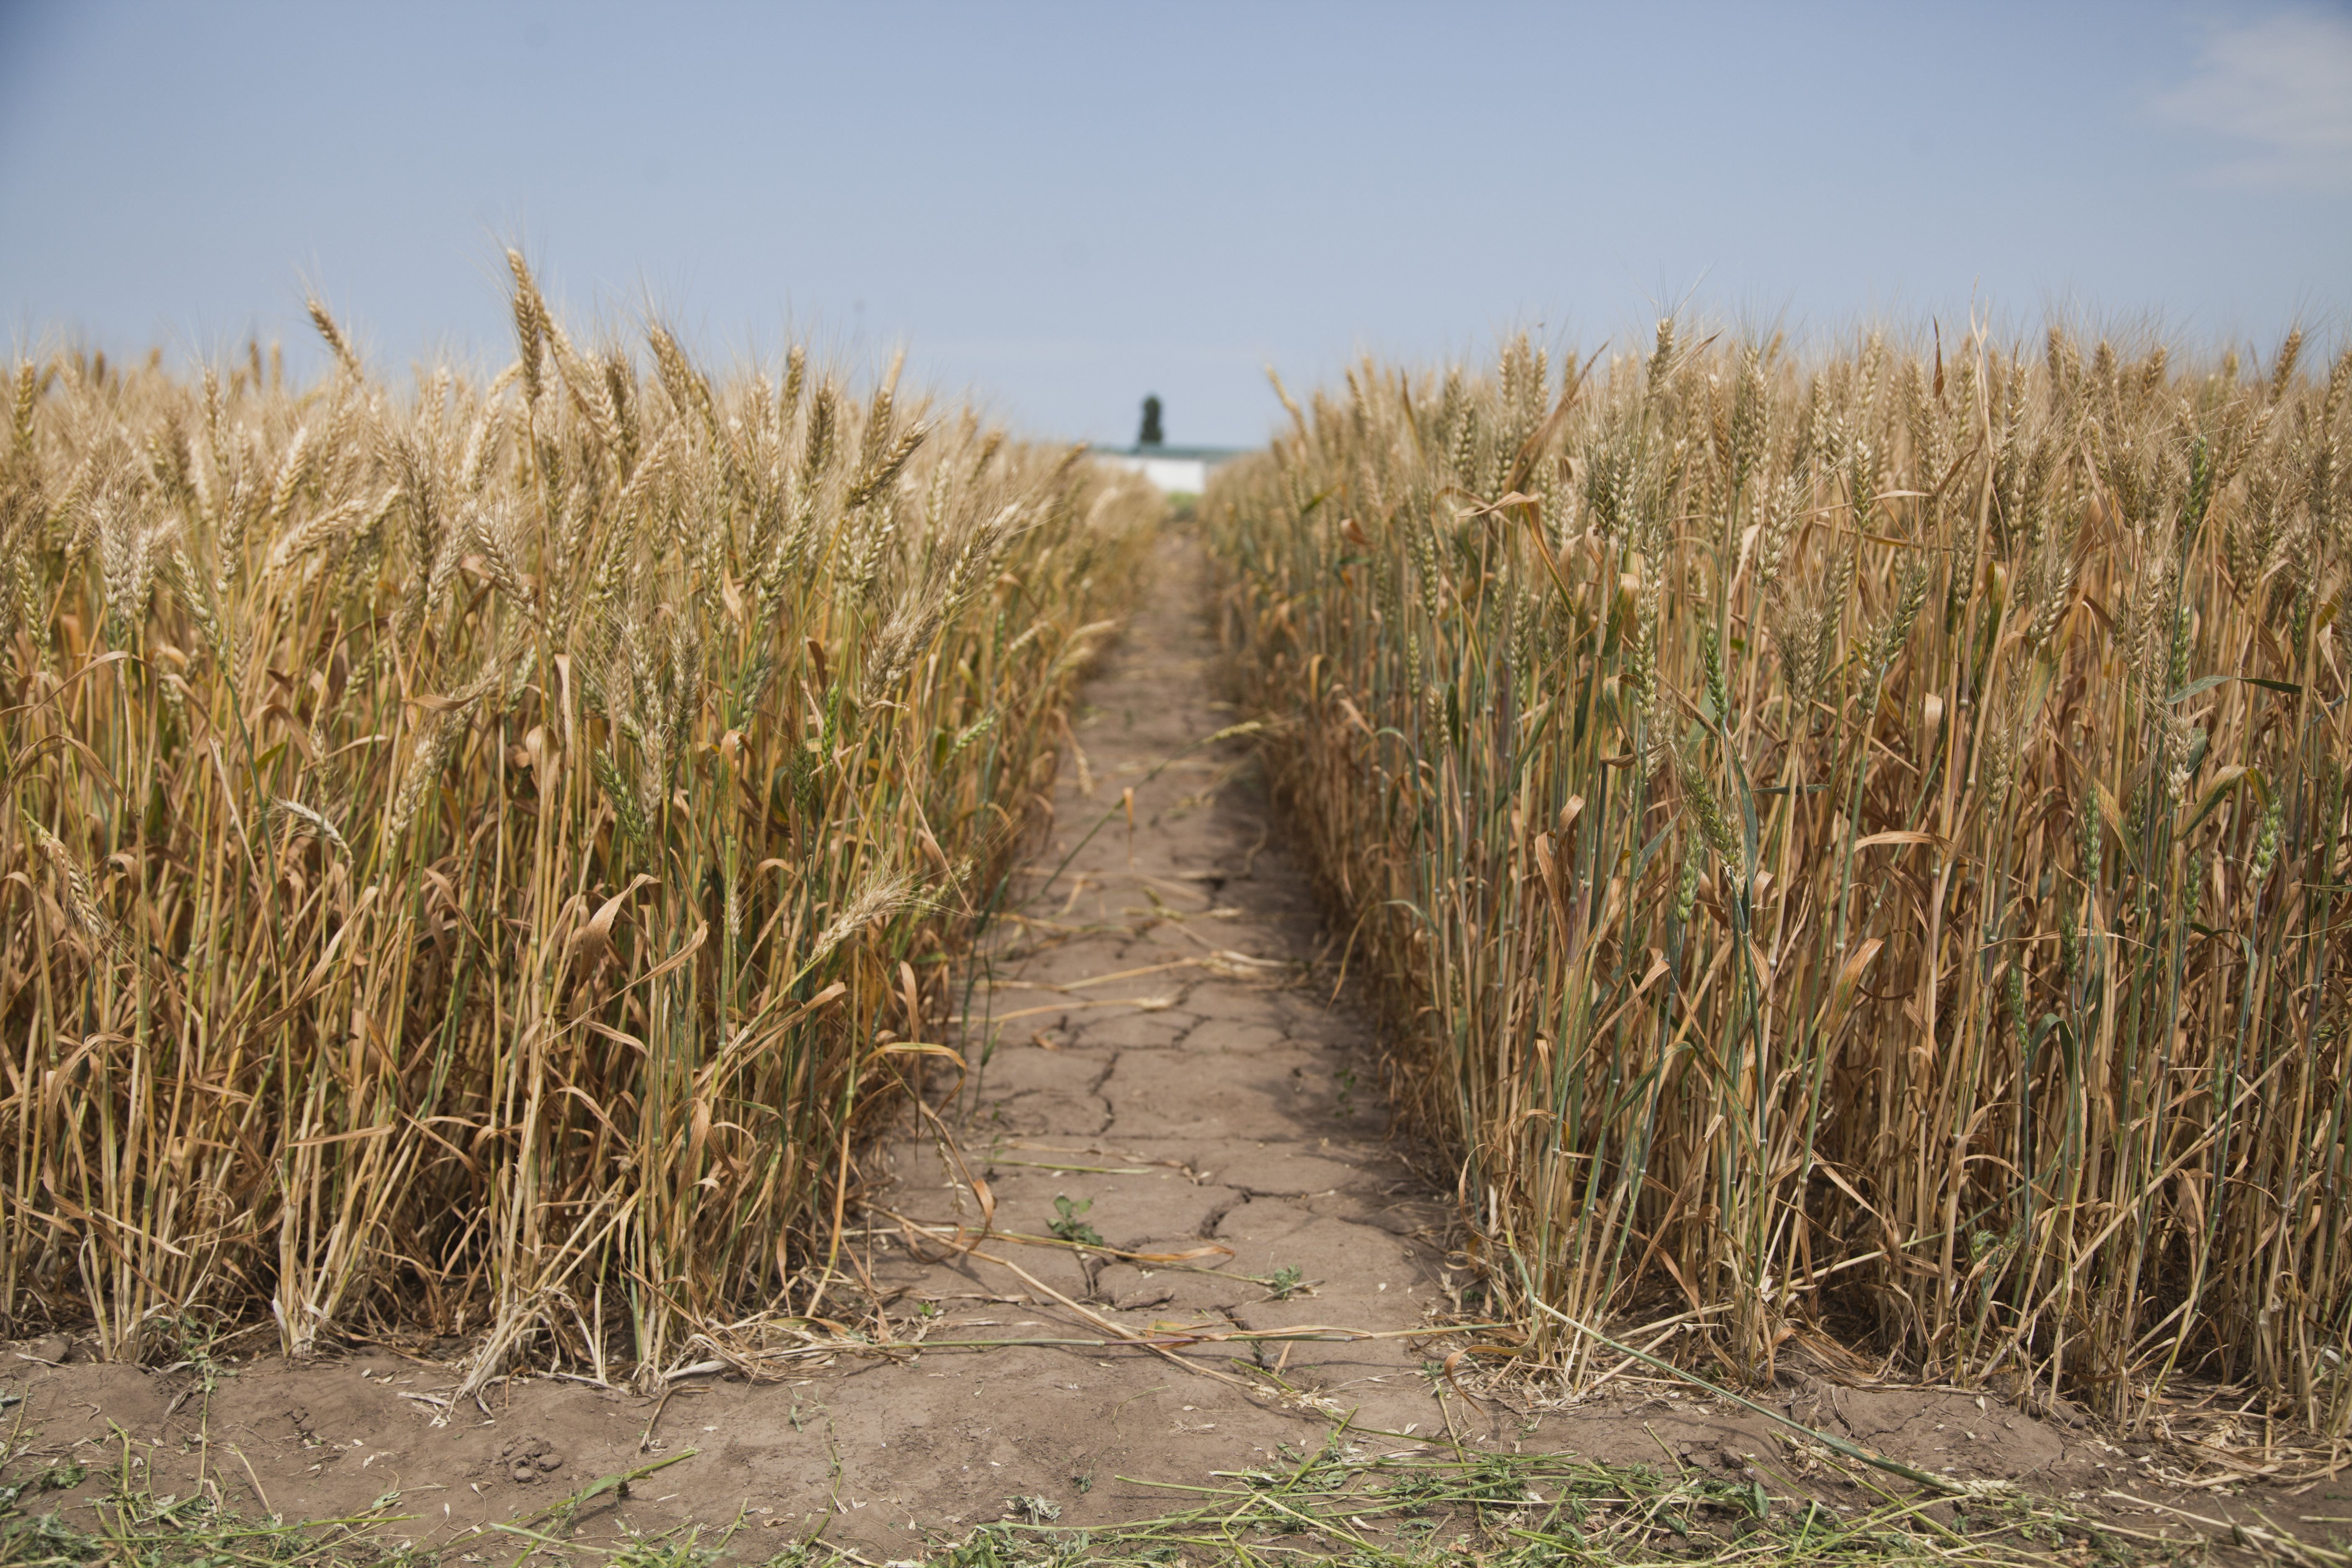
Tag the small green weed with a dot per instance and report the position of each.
(1066, 1225)
(682, 1551)
(133, 1528)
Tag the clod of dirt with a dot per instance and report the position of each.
(528, 1459)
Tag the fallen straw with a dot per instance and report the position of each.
(1836, 1445)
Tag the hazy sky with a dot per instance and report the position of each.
(1064, 206)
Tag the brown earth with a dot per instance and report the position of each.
(1155, 1040)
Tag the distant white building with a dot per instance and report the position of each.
(1173, 470)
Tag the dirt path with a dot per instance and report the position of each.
(1157, 1045)
(1162, 1054)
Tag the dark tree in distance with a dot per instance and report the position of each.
(1152, 434)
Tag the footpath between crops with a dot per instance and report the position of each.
(1090, 1308)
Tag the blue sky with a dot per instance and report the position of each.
(1061, 207)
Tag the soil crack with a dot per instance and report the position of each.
(1208, 1228)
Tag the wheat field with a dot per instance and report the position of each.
(477, 855)
(1854, 842)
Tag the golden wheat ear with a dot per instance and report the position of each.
(1838, 847)
(474, 727)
